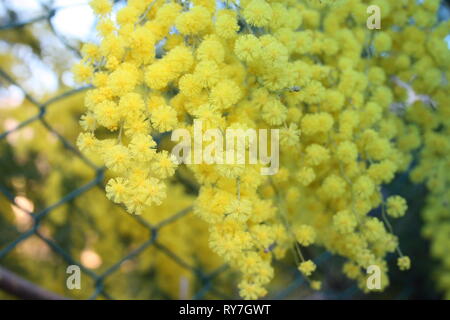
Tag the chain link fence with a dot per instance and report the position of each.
(207, 287)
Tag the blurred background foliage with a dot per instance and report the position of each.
(142, 258)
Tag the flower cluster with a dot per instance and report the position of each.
(311, 69)
(99, 226)
(429, 127)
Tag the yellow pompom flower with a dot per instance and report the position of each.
(396, 206)
(239, 210)
(347, 152)
(351, 270)
(108, 114)
(225, 94)
(142, 147)
(105, 27)
(306, 175)
(101, 7)
(307, 267)
(230, 171)
(156, 191)
(316, 123)
(207, 73)
(190, 85)
(333, 187)
(333, 100)
(142, 44)
(112, 46)
(316, 285)
(382, 42)
(258, 13)
(158, 75)
(363, 187)
(180, 59)
(86, 141)
(250, 291)
(373, 229)
(248, 48)
(404, 263)
(88, 122)
(305, 235)
(316, 154)
(164, 118)
(117, 158)
(211, 49)
(344, 222)
(313, 92)
(193, 21)
(82, 72)
(226, 24)
(124, 79)
(117, 189)
(127, 15)
(290, 136)
(163, 165)
(274, 112)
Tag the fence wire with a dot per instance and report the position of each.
(39, 216)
